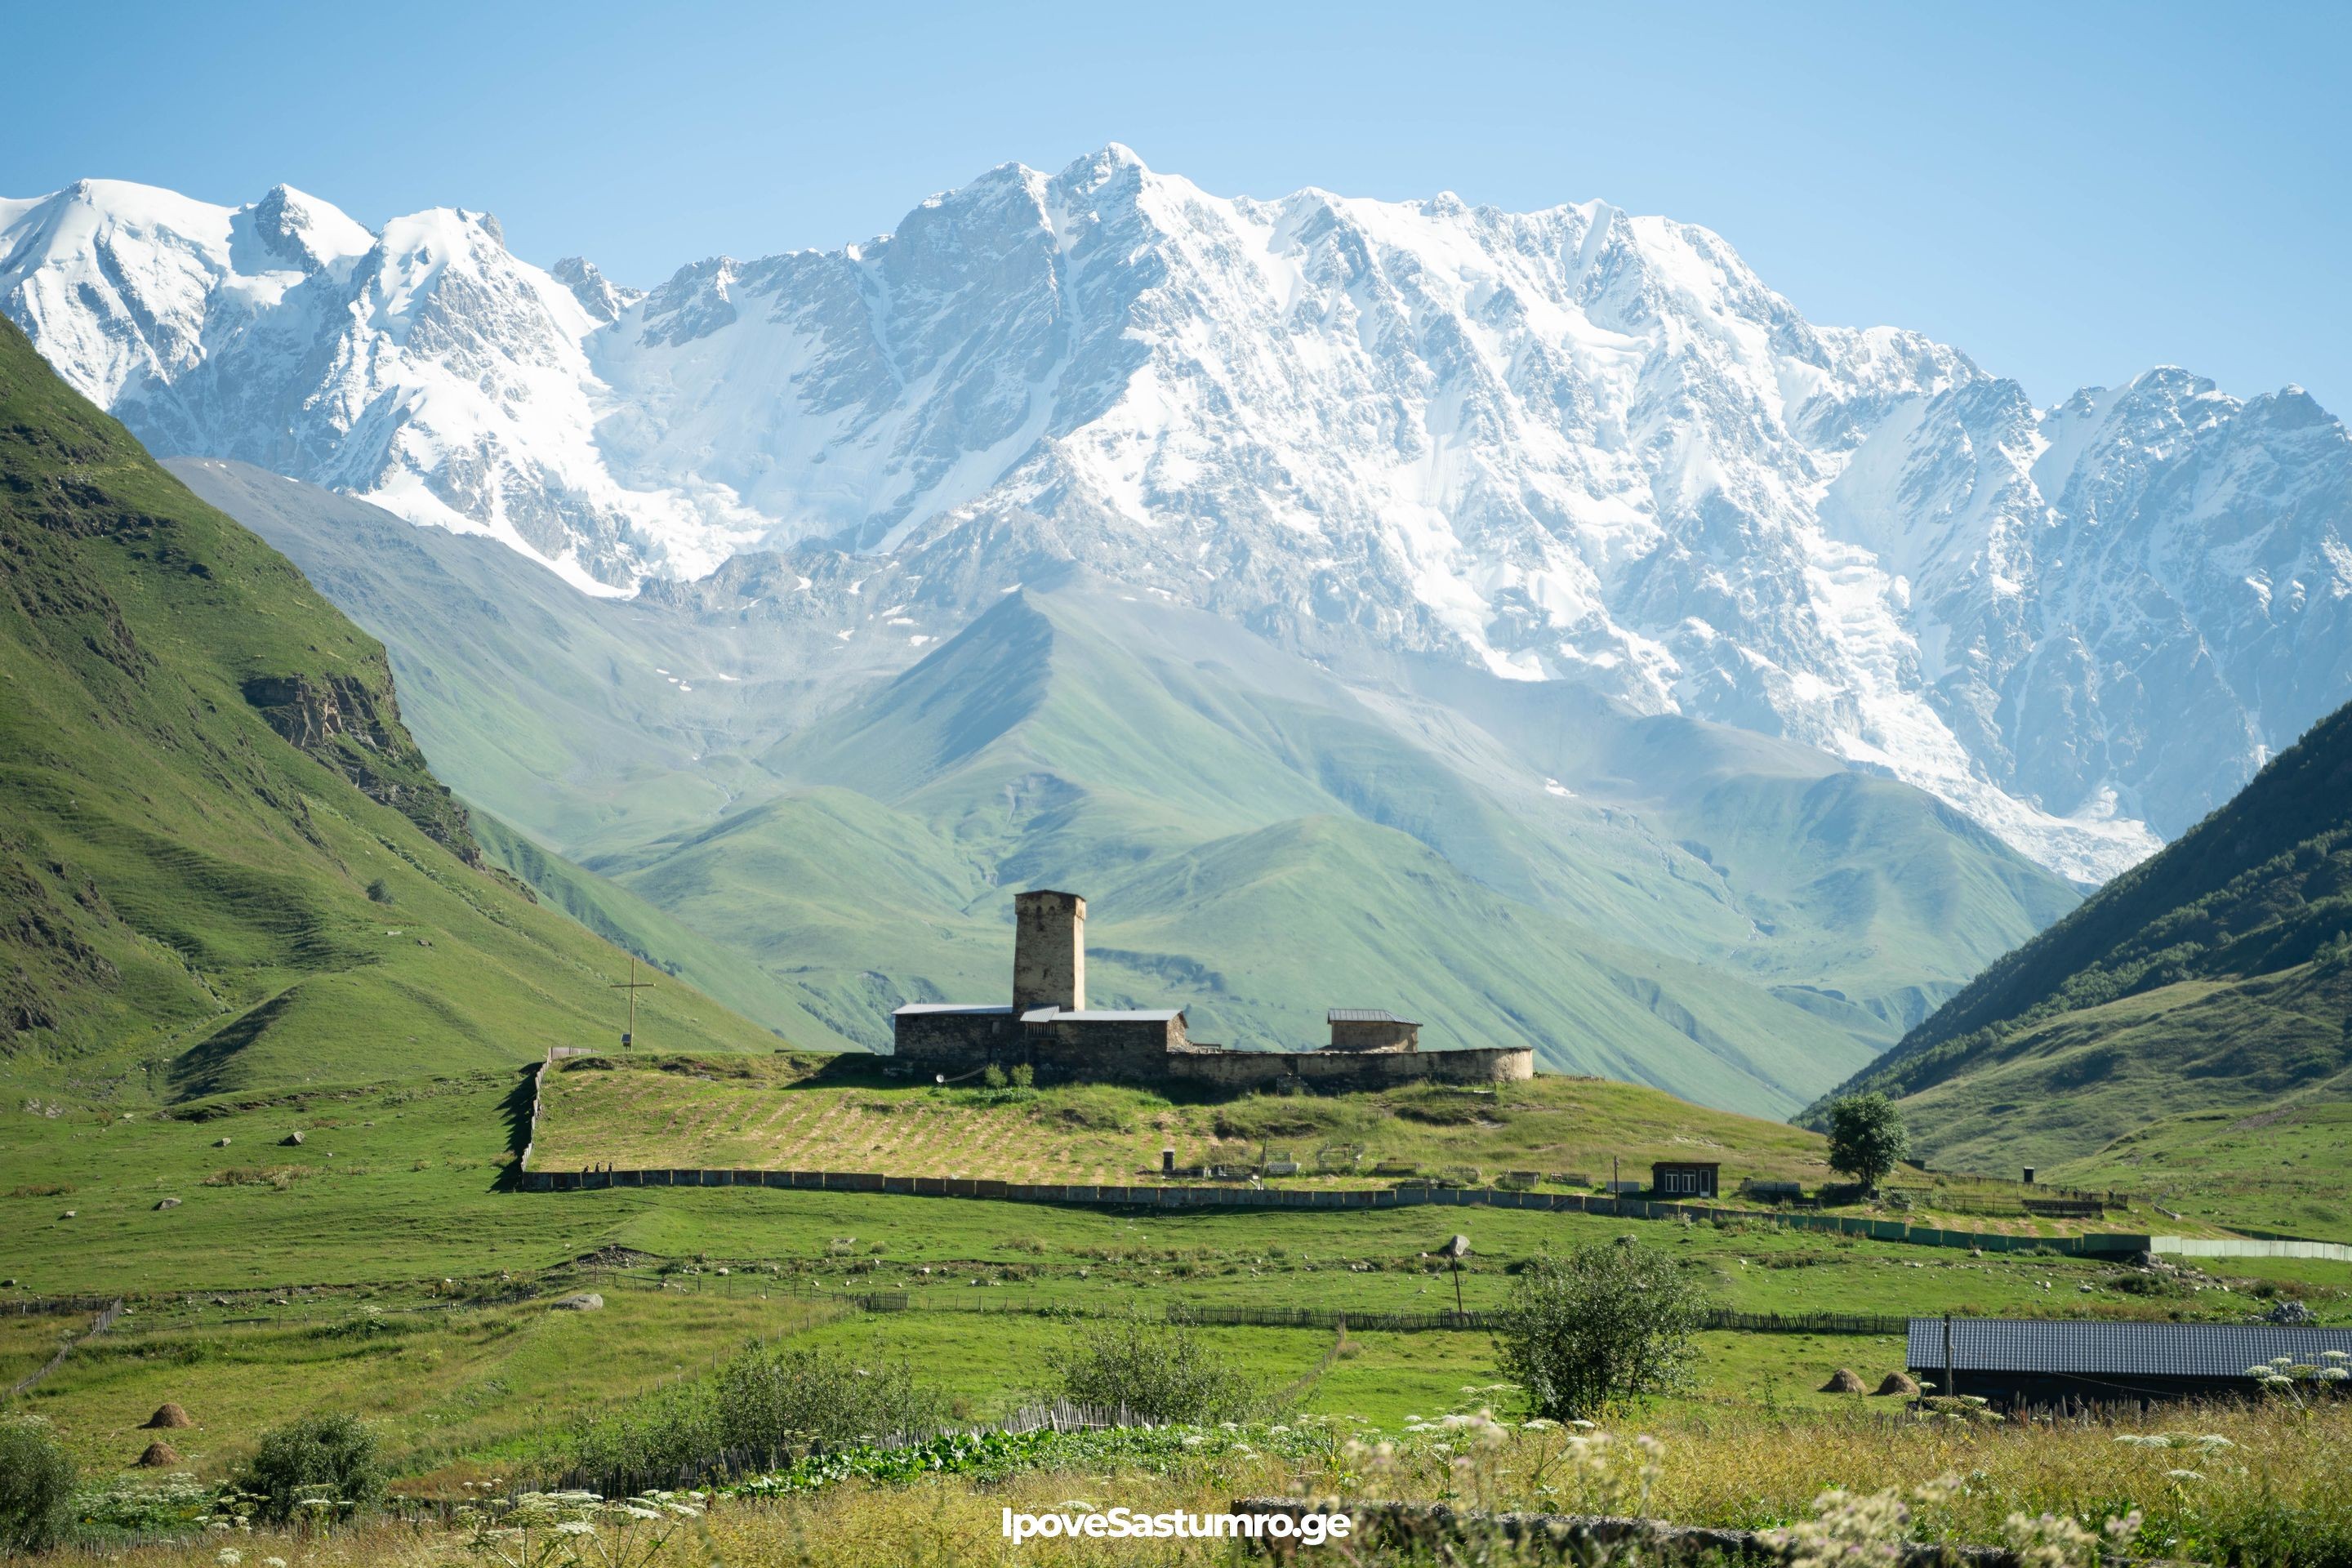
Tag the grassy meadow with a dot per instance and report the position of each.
(807, 1111)
(384, 1267)
(811, 1111)
(2277, 1170)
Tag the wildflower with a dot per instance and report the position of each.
(2184, 1475)
(229, 1557)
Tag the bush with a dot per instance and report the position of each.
(1159, 1370)
(766, 1400)
(778, 1399)
(36, 1481)
(323, 1464)
(1589, 1334)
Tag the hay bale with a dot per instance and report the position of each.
(167, 1416)
(1842, 1381)
(160, 1456)
(586, 1301)
(1898, 1383)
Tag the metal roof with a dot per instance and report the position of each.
(949, 1007)
(1100, 1015)
(1367, 1016)
(2117, 1349)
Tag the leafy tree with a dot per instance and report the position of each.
(324, 1463)
(1159, 1370)
(1588, 1333)
(36, 1481)
(1867, 1138)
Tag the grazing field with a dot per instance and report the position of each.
(458, 1390)
(817, 1113)
(383, 1267)
(2281, 1170)
(792, 1111)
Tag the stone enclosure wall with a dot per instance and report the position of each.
(1344, 1071)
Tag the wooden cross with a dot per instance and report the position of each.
(633, 986)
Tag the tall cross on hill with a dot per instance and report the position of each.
(632, 985)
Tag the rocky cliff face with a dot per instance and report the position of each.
(1569, 445)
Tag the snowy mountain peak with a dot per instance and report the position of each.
(1575, 444)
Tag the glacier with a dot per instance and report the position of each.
(1570, 444)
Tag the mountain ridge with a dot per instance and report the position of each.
(1569, 445)
(2216, 977)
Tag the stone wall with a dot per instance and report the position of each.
(954, 1043)
(1343, 1072)
(1111, 1050)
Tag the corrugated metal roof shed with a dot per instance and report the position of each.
(2125, 1350)
(1367, 1016)
(949, 1007)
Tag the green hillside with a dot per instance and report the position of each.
(2280, 1170)
(227, 866)
(2215, 977)
(1260, 843)
(1725, 915)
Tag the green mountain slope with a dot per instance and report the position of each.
(556, 711)
(226, 865)
(2217, 975)
(1765, 914)
(1261, 842)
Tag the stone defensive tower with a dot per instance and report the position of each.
(1049, 951)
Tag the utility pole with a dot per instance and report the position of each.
(1949, 1392)
(633, 986)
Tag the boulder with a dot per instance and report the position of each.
(586, 1301)
(292, 1139)
(167, 1203)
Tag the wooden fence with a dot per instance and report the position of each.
(98, 1325)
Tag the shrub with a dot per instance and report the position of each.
(1159, 1370)
(775, 1399)
(326, 1464)
(380, 891)
(36, 1481)
(1588, 1333)
(769, 1400)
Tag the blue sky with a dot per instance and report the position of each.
(2069, 192)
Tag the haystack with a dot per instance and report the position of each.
(1842, 1381)
(159, 1457)
(166, 1415)
(1898, 1383)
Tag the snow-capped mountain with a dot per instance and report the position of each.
(422, 366)
(1572, 444)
